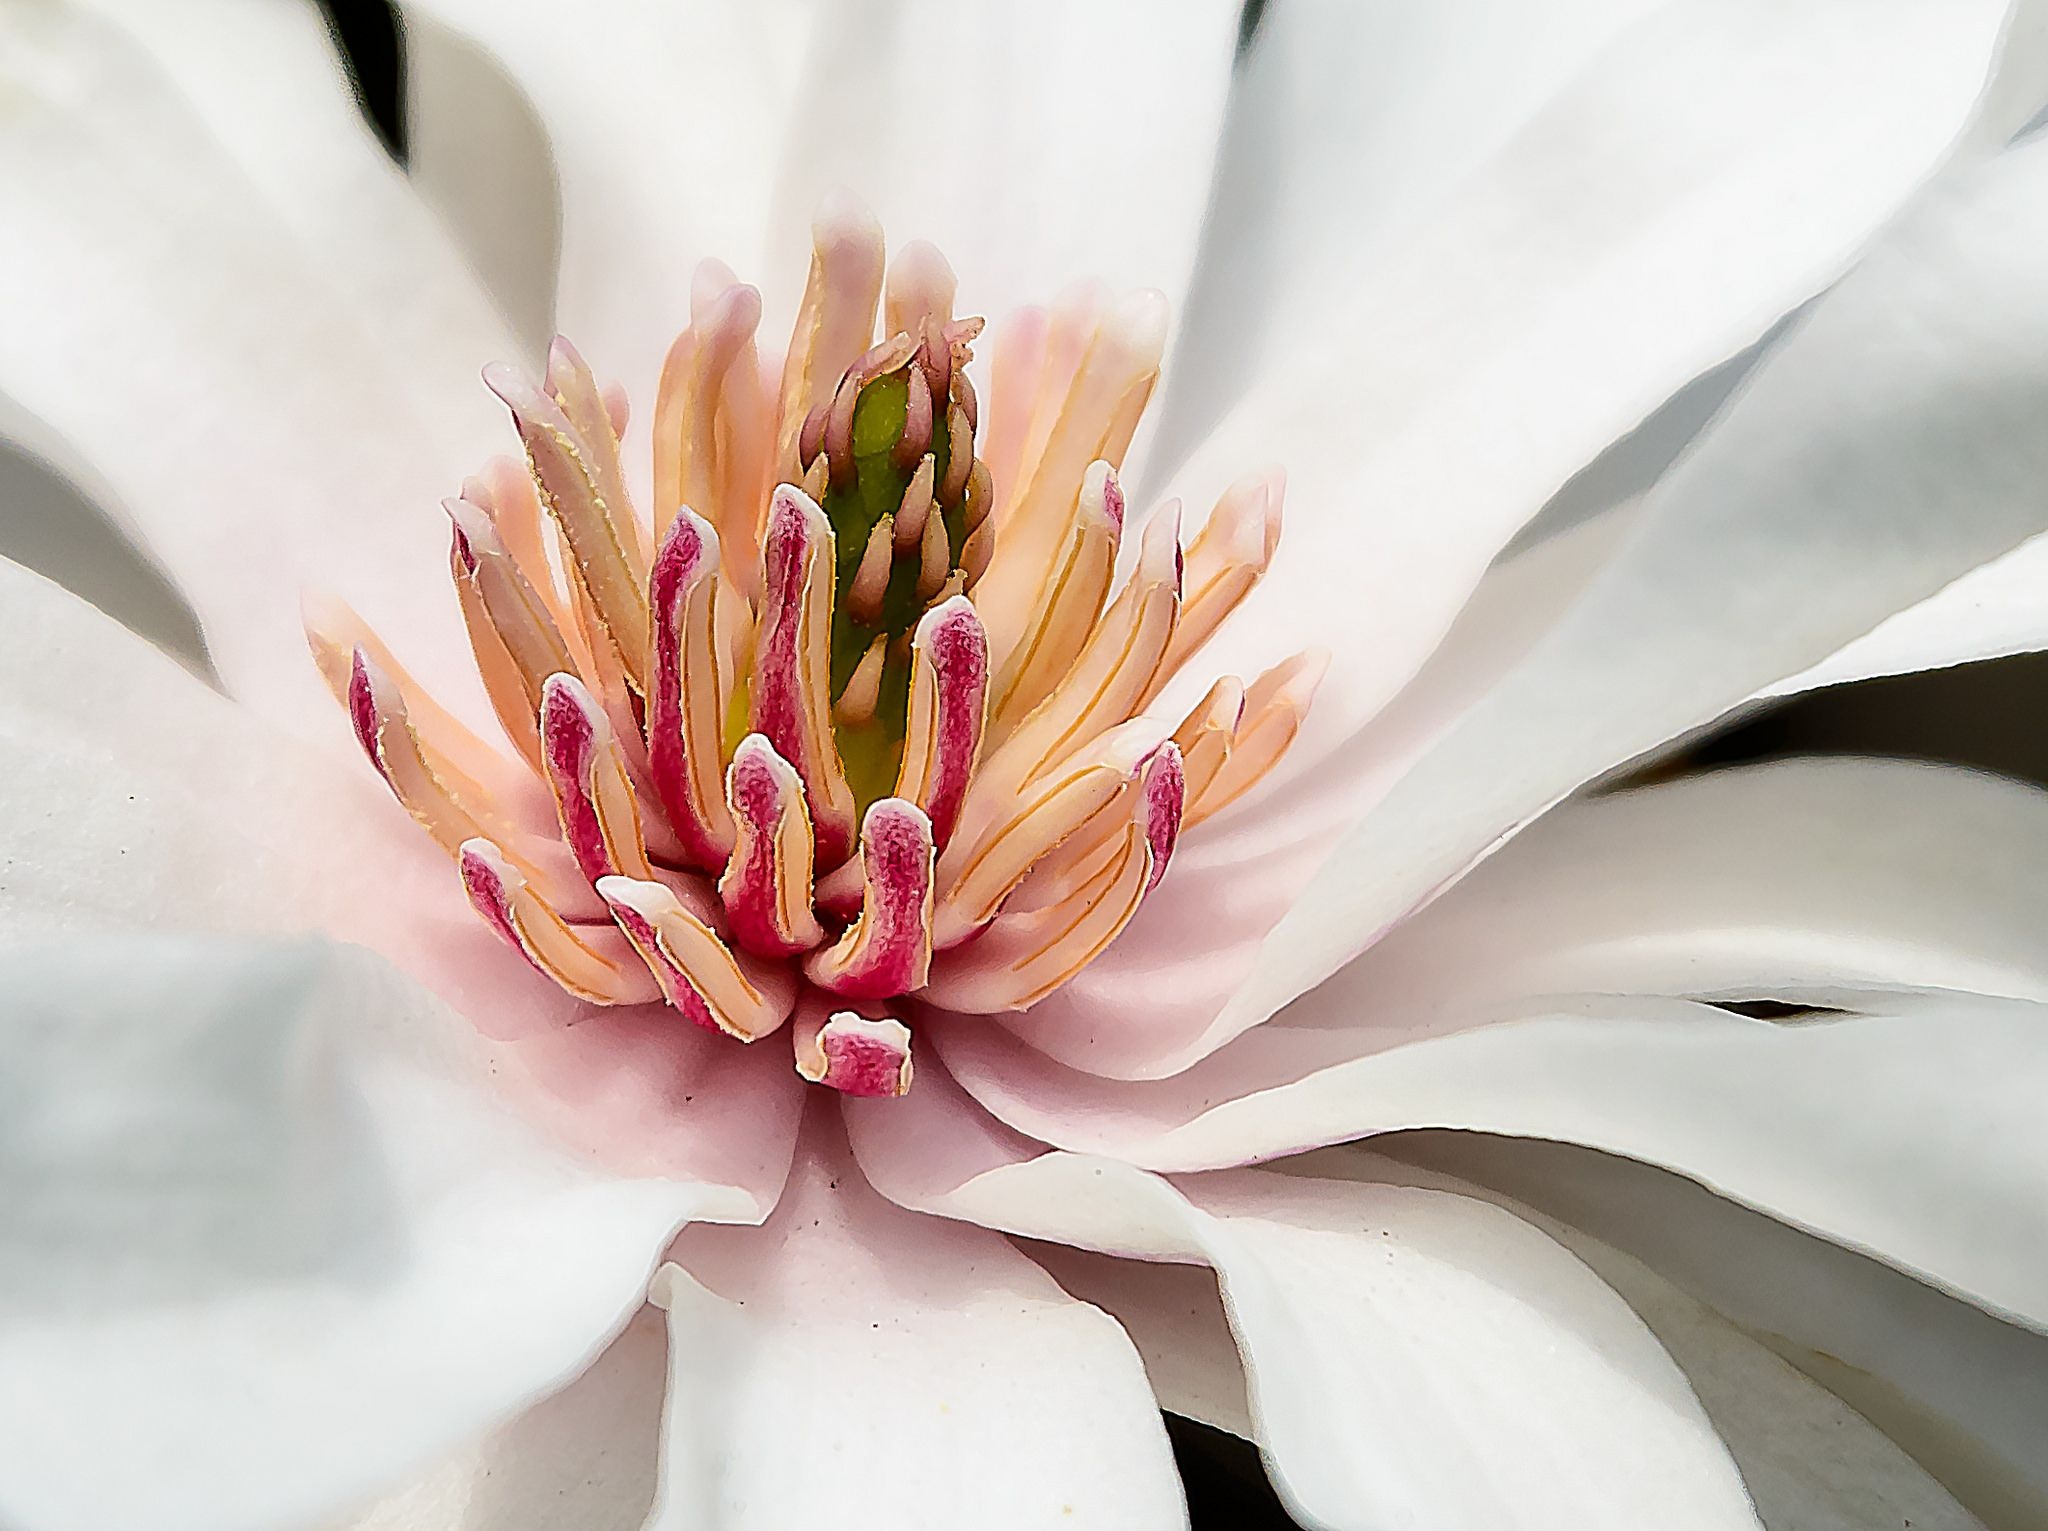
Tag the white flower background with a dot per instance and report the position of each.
(1634, 363)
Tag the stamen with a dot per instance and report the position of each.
(1023, 957)
(1095, 419)
(888, 949)
(707, 446)
(594, 963)
(593, 794)
(1154, 794)
(1065, 611)
(948, 704)
(836, 317)
(856, 705)
(1224, 562)
(1274, 706)
(511, 631)
(1019, 357)
(607, 565)
(1114, 670)
(853, 1053)
(921, 286)
(767, 884)
(1204, 735)
(686, 707)
(983, 867)
(698, 973)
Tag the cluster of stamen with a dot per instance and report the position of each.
(863, 714)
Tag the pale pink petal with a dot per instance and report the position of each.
(136, 797)
(852, 1364)
(274, 1238)
(259, 402)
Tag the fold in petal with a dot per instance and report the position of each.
(1802, 880)
(268, 411)
(1963, 1392)
(1763, 550)
(1808, 1459)
(1638, 224)
(852, 1364)
(1911, 1133)
(584, 1457)
(244, 1286)
(1410, 1356)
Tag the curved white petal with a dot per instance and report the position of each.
(1800, 880)
(272, 1241)
(1966, 1394)
(1174, 1314)
(1762, 550)
(1193, 939)
(1994, 610)
(1913, 1135)
(134, 797)
(1811, 1461)
(1035, 147)
(271, 408)
(1349, 121)
(1412, 1358)
(1434, 417)
(584, 1457)
(852, 1364)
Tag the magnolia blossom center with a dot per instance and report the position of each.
(861, 726)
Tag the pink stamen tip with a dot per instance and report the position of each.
(1113, 500)
(676, 985)
(491, 883)
(952, 634)
(363, 711)
(889, 951)
(571, 727)
(856, 1055)
(1164, 790)
(762, 788)
(688, 551)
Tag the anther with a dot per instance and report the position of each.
(888, 949)
(699, 975)
(853, 1053)
(766, 887)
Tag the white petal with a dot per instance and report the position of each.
(664, 125)
(133, 796)
(1413, 1358)
(585, 1457)
(1914, 1135)
(852, 1364)
(1799, 880)
(1349, 121)
(1034, 148)
(268, 416)
(1157, 989)
(1966, 1394)
(1811, 1462)
(1992, 611)
(272, 1241)
(1762, 551)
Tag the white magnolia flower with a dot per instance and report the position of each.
(308, 1183)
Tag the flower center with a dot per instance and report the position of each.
(860, 727)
